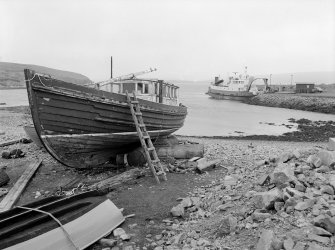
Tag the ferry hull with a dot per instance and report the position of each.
(230, 95)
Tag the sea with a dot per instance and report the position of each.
(211, 117)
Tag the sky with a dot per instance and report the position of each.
(183, 39)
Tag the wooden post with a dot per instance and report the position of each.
(14, 194)
(111, 67)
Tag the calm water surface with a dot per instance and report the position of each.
(209, 117)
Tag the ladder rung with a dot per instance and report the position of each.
(138, 113)
(146, 137)
(156, 160)
(160, 173)
(151, 149)
(141, 125)
(134, 102)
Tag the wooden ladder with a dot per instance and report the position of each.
(149, 149)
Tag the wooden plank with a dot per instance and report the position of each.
(14, 194)
(11, 142)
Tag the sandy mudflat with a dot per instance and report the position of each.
(151, 203)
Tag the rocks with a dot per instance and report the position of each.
(320, 231)
(227, 225)
(266, 240)
(327, 190)
(321, 239)
(257, 216)
(326, 222)
(267, 199)
(229, 181)
(332, 180)
(288, 244)
(331, 144)
(107, 242)
(314, 161)
(15, 153)
(327, 157)
(178, 211)
(303, 205)
(282, 174)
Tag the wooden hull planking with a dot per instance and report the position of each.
(60, 108)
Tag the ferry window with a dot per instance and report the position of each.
(129, 86)
(156, 88)
(140, 88)
(146, 88)
(169, 91)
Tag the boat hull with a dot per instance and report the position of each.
(230, 95)
(86, 218)
(59, 108)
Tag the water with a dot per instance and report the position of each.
(210, 117)
(13, 97)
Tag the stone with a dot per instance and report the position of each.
(323, 169)
(288, 244)
(279, 205)
(195, 201)
(227, 225)
(296, 153)
(331, 144)
(257, 216)
(118, 231)
(299, 246)
(303, 205)
(178, 211)
(229, 181)
(293, 192)
(327, 157)
(332, 181)
(326, 222)
(266, 240)
(286, 157)
(299, 186)
(315, 246)
(5, 155)
(320, 239)
(186, 202)
(282, 174)
(267, 199)
(16, 153)
(327, 190)
(224, 207)
(107, 242)
(320, 231)
(263, 179)
(314, 161)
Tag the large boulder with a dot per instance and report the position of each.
(266, 240)
(331, 144)
(326, 222)
(327, 157)
(282, 174)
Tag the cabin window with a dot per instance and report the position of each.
(116, 88)
(164, 91)
(146, 88)
(156, 88)
(139, 88)
(128, 86)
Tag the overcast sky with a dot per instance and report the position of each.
(184, 39)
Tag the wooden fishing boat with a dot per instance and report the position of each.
(84, 127)
(59, 222)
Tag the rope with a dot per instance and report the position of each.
(55, 219)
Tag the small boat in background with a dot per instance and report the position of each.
(85, 127)
(81, 220)
(237, 87)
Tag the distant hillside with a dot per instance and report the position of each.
(316, 77)
(12, 76)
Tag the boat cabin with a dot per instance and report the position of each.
(146, 89)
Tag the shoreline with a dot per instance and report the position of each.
(317, 103)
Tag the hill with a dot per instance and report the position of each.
(12, 76)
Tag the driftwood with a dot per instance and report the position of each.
(14, 194)
(117, 180)
(11, 142)
(203, 165)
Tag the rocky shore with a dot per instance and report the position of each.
(292, 101)
(263, 194)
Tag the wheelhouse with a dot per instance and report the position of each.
(147, 89)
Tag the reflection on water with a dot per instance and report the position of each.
(209, 117)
